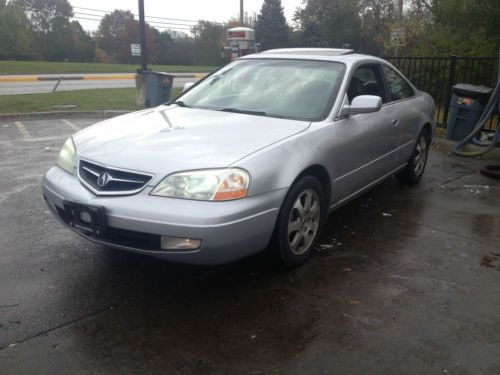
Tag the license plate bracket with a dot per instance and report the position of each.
(86, 218)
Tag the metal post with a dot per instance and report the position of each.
(241, 12)
(142, 31)
(451, 82)
(400, 9)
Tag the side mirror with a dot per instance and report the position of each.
(362, 104)
(187, 86)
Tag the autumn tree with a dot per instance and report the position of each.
(118, 30)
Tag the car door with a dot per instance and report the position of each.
(365, 144)
(401, 107)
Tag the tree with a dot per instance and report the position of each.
(111, 31)
(452, 27)
(271, 28)
(177, 48)
(118, 30)
(330, 23)
(15, 34)
(44, 17)
(84, 46)
(378, 16)
(209, 37)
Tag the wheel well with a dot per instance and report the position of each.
(428, 128)
(322, 175)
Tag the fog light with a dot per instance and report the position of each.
(85, 217)
(177, 243)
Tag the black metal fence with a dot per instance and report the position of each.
(437, 75)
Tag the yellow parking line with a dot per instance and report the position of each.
(200, 75)
(22, 129)
(71, 125)
(19, 79)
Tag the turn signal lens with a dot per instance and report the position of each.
(233, 187)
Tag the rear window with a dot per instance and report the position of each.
(398, 87)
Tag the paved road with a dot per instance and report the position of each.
(407, 282)
(9, 85)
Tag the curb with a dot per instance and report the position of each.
(94, 77)
(61, 114)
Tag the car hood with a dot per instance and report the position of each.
(164, 139)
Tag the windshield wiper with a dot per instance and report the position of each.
(180, 103)
(244, 111)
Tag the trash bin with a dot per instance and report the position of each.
(467, 104)
(153, 88)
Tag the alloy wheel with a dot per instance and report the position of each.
(420, 156)
(303, 222)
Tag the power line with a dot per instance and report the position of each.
(158, 27)
(160, 18)
(155, 22)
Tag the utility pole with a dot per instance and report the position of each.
(241, 12)
(142, 31)
(400, 10)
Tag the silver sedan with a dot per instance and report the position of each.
(253, 157)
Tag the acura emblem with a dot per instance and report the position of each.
(103, 179)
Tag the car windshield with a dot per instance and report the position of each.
(294, 89)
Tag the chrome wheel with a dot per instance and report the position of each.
(420, 156)
(303, 222)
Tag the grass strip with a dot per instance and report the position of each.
(79, 100)
(47, 67)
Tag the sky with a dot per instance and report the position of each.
(190, 10)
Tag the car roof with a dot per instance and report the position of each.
(323, 54)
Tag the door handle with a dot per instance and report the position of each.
(395, 122)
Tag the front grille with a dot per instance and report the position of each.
(111, 181)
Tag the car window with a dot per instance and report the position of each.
(296, 89)
(366, 80)
(398, 87)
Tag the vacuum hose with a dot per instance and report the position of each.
(488, 170)
(488, 111)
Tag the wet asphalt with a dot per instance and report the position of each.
(405, 281)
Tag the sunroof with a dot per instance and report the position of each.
(310, 51)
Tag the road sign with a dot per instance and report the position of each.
(135, 49)
(398, 37)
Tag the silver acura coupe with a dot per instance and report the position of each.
(255, 156)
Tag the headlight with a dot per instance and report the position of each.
(207, 185)
(66, 157)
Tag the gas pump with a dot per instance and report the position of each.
(241, 42)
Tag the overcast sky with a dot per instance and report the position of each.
(211, 10)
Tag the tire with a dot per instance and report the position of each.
(415, 168)
(303, 214)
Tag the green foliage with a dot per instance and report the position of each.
(16, 38)
(432, 27)
(176, 48)
(330, 23)
(271, 28)
(209, 37)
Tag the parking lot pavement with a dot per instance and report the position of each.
(406, 281)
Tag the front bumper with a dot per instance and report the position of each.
(228, 230)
